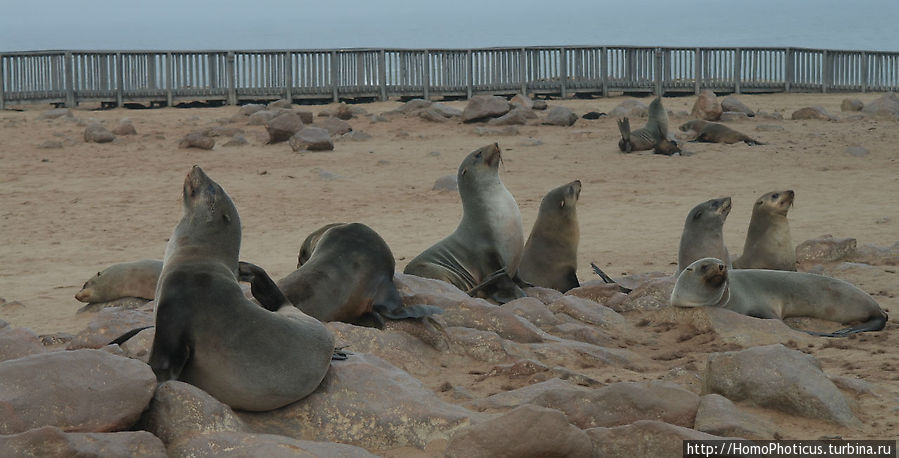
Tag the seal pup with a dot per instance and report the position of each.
(550, 254)
(127, 279)
(763, 293)
(345, 273)
(768, 242)
(209, 334)
(712, 132)
(654, 135)
(703, 234)
(482, 255)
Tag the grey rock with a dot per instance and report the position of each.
(539, 105)
(631, 109)
(812, 113)
(776, 377)
(583, 333)
(589, 312)
(80, 391)
(124, 127)
(501, 132)
(650, 294)
(597, 291)
(280, 103)
(719, 416)
(50, 144)
(479, 314)
(851, 105)
(261, 118)
(241, 445)
(885, 105)
(18, 342)
(530, 394)
(545, 295)
(825, 249)
(413, 106)
(527, 431)
(446, 183)
(729, 116)
(481, 345)
(446, 110)
(344, 112)
(533, 310)
(282, 127)
(733, 104)
(179, 410)
(522, 101)
(56, 113)
(482, 107)
(197, 140)
(419, 290)
(516, 117)
(706, 106)
(432, 115)
(109, 324)
(644, 438)
(52, 441)
(772, 116)
(96, 133)
(237, 140)
(250, 108)
(560, 116)
(312, 139)
(411, 345)
(769, 128)
(356, 136)
(334, 126)
(139, 346)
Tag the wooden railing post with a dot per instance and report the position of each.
(863, 71)
(288, 76)
(335, 75)
(657, 70)
(119, 80)
(697, 70)
(169, 79)
(382, 73)
(563, 73)
(788, 69)
(232, 80)
(2, 91)
(522, 55)
(604, 70)
(738, 69)
(69, 65)
(470, 69)
(426, 74)
(826, 70)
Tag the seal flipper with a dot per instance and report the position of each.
(874, 324)
(262, 286)
(124, 337)
(499, 287)
(608, 279)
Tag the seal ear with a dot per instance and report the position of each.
(562, 204)
(464, 171)
(697, 215)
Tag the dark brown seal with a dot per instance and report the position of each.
(550, 254)
(712, 132)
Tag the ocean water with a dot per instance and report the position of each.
(285, 24)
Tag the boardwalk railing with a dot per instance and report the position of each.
(166, 77)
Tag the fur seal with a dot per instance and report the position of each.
(345, 273)
(128, 279)
(550, 254)
(777, 294)
(703, 234)
(713, 132)
(482, 255)
(209, 334)
(654, 135)
(768, 243)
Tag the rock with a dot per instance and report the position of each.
(261, 118)
(95, 133)
(522, 101)
(583, 333)
(593, 115)
(18, 342)
(139, 346)
(282, 127)
(312, 139)
(851, 105)
(529, 394)
(769, 128)
(857, 151)
(356, 136)
(482, 107)
(517, 116)
(479, 314)
(124, 127)
(250, 108)
(224, 131)
(395, 409)
(281, 103)
(446, 183)
(79, 391)
(812, 113)
(527, 431)
(109, 324)
(334, 126)
(237, 140)
(706, 106)
(539, 105)
(343, 112)
(419, 290)
(729, 116)
(772, 116)
(532, 310)
(644, 438)
(409, 345)
(51, 441)
(446, 110)
(733, 104)
(241, 444)
(719, 416)
(885, 105)
(414, 105)
(197, 140)
(560, 116)
(180, 410)
(825, 249)
(545, 295)
(481, 345)
(487, 131)
(432, 115)
(589, 312)
(597, 291)
(50, 144)
(877, 255)
(776, 377)
(630, 109)
(650, 294)
(572, 353)
(56, 113)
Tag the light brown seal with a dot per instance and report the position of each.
(768, 242)
(209, 334)
(652, 136)
(712, 132)
(777, 294)
(550, 254)
(703, 235)
(127, 279)
(345, 273)
(482, 255)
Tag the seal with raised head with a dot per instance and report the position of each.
(713, 132)
(345, 273)
(777, 294)
(550, 254)
(652, 136)
(209, 334)
(703, 235)
(768, 242)
(482, 255)
(127, 279)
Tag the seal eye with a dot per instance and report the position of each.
(775, 195)
(697, 215)
(478, 155)
(562, 204)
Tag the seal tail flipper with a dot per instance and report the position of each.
(874, 324)
(340, 354)
(607, 278)
(409, 311)
(124, 337)
(262, 286)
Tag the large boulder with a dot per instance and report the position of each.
(18, 342)
(560, 116)
(825, 249)
(812, 113)
(719, 416)
(179, 410)
(250, 108)
(96, 133)
(479, 314)
(518, 116)
(124, 127)
(630, 108)
(283, 126)
(312, 139)
(733, 104)
(886, 105)
(334, 126)
(197, 139)
(851, 105)
(483, 107)
(522, 101)
(240, 445)
(52, 441)
(644, 438)
(707, 106)
(81, 390)
(109, 324)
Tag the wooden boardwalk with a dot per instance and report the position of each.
(169, 77)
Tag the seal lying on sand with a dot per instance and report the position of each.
(654, 135)
(713, 132)
(481, 257)
(128, 279)
(703, 234)
(209, 334)
(345, 273)
(777, 294)
(550, 254)
(768, 242)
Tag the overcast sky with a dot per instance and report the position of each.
(282, 24)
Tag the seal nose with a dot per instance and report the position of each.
(720, 267)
